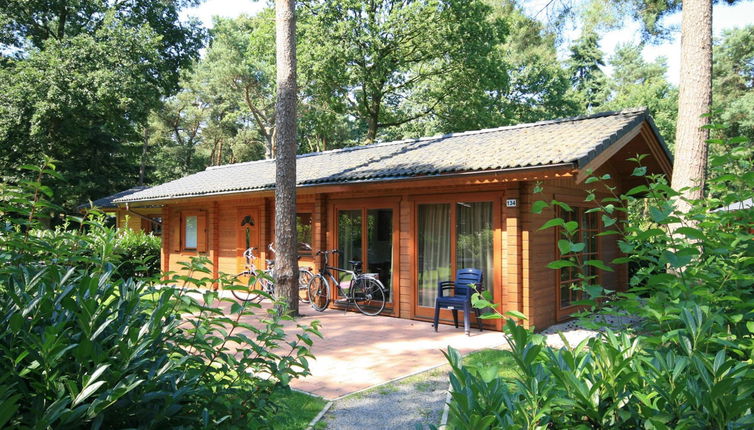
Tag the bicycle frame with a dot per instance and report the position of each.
(327, 272)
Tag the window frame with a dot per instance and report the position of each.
(201, 232)
(495, 284)
(363, 206)
(564, 311)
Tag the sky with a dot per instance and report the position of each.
(723, 17)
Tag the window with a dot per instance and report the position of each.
(452, 236)
(191, 230)
(304, 231)
(571, 277)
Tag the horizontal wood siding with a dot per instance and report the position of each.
(539, 248)
(522, 280)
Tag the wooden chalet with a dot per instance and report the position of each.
(416, 210)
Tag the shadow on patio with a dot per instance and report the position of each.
(358, 351)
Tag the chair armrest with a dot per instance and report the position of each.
(444, 285)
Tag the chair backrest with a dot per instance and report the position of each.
(465, 278)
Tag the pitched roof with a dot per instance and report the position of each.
(107, 202)
(570, 140)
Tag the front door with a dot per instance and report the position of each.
(247, 224)
(451, 235)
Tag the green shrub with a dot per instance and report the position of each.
(138, 254)
(82, 347)
(688, 365)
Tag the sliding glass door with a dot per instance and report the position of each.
(366, 235)
(451, 236)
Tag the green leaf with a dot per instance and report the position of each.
(86, 392)
(607, 221)
(639, 171)
(559, 264)
(577, 247)
(658, 215)
(571, 226)
(690, 232)
(555, 222)
(637, 190)
(516, 314)
(539, 206)
(598, 264)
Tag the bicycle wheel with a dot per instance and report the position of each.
(369, 295)
(304, 277)
(319, 293)
(250, 290)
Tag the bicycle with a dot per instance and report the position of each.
(304, 272)
(264, 279)
(258, 280)
(364, 289)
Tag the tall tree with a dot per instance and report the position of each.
(635, 82)
(733, 81)
(585, 64)
(78, 80)
(396, 61)
(539, 85)
(694, 100)
(286, 262)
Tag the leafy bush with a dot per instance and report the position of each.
(138, 254)
(689, 365)
(84, 348)
(134, 254)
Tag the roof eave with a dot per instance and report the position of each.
(563, 165)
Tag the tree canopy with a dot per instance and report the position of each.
(77, 80)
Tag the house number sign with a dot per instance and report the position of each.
(511, 203)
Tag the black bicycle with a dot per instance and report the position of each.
(362, 289)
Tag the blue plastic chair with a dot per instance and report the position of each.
(461, 298)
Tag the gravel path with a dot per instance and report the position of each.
(418, 399)
(574, 332)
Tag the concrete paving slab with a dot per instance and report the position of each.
(358, 351)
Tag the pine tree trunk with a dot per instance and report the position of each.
(694, 100)
(286, 263)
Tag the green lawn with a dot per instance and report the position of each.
(489, 358)
(302, 409)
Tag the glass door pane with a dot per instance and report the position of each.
(474, 238)
(433, 250)
(380, 246)
(349, 238)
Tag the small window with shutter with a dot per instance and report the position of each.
(193, 231)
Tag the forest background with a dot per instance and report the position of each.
(123, 95)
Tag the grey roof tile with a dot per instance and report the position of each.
(570, 140)
(108, 202)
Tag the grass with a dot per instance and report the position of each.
(488, 358)
(302, 409)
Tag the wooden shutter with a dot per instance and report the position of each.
(175, 232)
(201, 231)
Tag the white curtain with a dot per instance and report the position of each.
(474, 238)
(434, 250)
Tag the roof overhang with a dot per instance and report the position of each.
(528, 173)
(641, 138)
